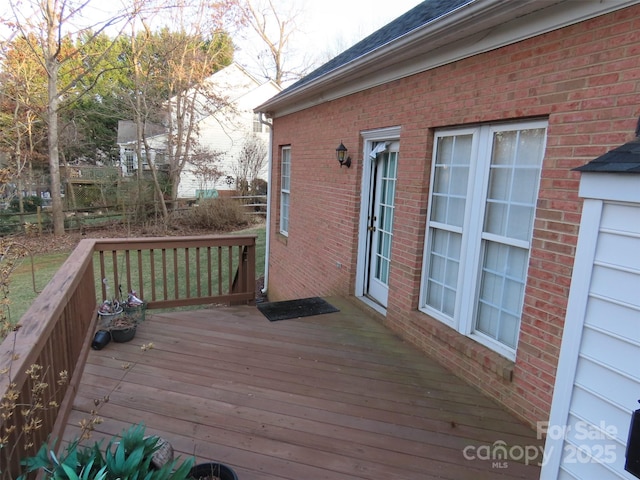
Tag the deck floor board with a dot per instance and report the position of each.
(333, 396)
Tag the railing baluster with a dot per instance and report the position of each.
(230, 265)
(116, 277)
(176, 284)
(164, 275)
(198, 282)
(103, 275)
(152, 263)
(209, 273)
(220, 270)
(127, 255)
(187, 275)
(140, 287)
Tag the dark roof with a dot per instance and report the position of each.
(418, 16)
(623, 159)
(127, 132)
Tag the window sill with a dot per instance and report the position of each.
(282, 238)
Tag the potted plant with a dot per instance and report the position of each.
(108, 311)
(135, 307)
(130, 457)
(123, 328)
(212, 471)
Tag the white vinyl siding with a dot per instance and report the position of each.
(482, 205)
(285, 185)
(598, 382)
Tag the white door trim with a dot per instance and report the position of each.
(370, 137)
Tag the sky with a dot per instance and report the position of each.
(326, 27)
(329, 19)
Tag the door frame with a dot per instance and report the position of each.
(370, 137)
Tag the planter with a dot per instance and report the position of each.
(107, 318)
(123, 334)
(136, 312)
(212, 471)
(100, 339)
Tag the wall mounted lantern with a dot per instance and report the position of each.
(229, 180)
(341, 155)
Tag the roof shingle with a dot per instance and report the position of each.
(623, 159)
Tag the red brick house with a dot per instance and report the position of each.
(457, 220)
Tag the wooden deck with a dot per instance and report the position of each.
(334, 396)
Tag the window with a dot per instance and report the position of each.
(257, 124)
(285, 185)
(482, 205)
(129, 161)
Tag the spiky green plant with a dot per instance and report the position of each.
(128, 457)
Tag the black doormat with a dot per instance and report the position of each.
(304, 307)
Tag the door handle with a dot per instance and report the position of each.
(371, 229)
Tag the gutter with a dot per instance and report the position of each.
(263, 121)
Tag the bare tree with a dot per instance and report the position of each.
(275, 25)
(21, 132)
(251, 160)
(46, 25)
(171, 67)
(205, 166)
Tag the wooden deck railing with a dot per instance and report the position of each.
(56, 332)
(179, 271)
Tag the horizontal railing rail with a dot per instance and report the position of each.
(55, 334)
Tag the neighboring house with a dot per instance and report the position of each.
(127, 141)
(458, 219)
(223, 131)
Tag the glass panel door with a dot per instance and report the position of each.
(381, 224)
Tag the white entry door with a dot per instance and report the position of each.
(380, 223)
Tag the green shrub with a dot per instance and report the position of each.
(30, 204)
(213, 213)
(259, 187)
(9, 225)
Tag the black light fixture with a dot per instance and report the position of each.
(229, 180)
(341, 155)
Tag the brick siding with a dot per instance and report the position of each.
(584, 78)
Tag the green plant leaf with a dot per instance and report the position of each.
(70, 472)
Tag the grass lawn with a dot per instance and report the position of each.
(28, 281)
(21, 287)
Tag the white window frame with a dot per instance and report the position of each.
(130, 163)
(471, 255)
(257, 124)
(285, 191)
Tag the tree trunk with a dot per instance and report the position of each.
(54, 162)
(51, 65)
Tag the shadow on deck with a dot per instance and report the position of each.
(334, 396)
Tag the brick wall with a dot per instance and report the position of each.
(585, 79)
